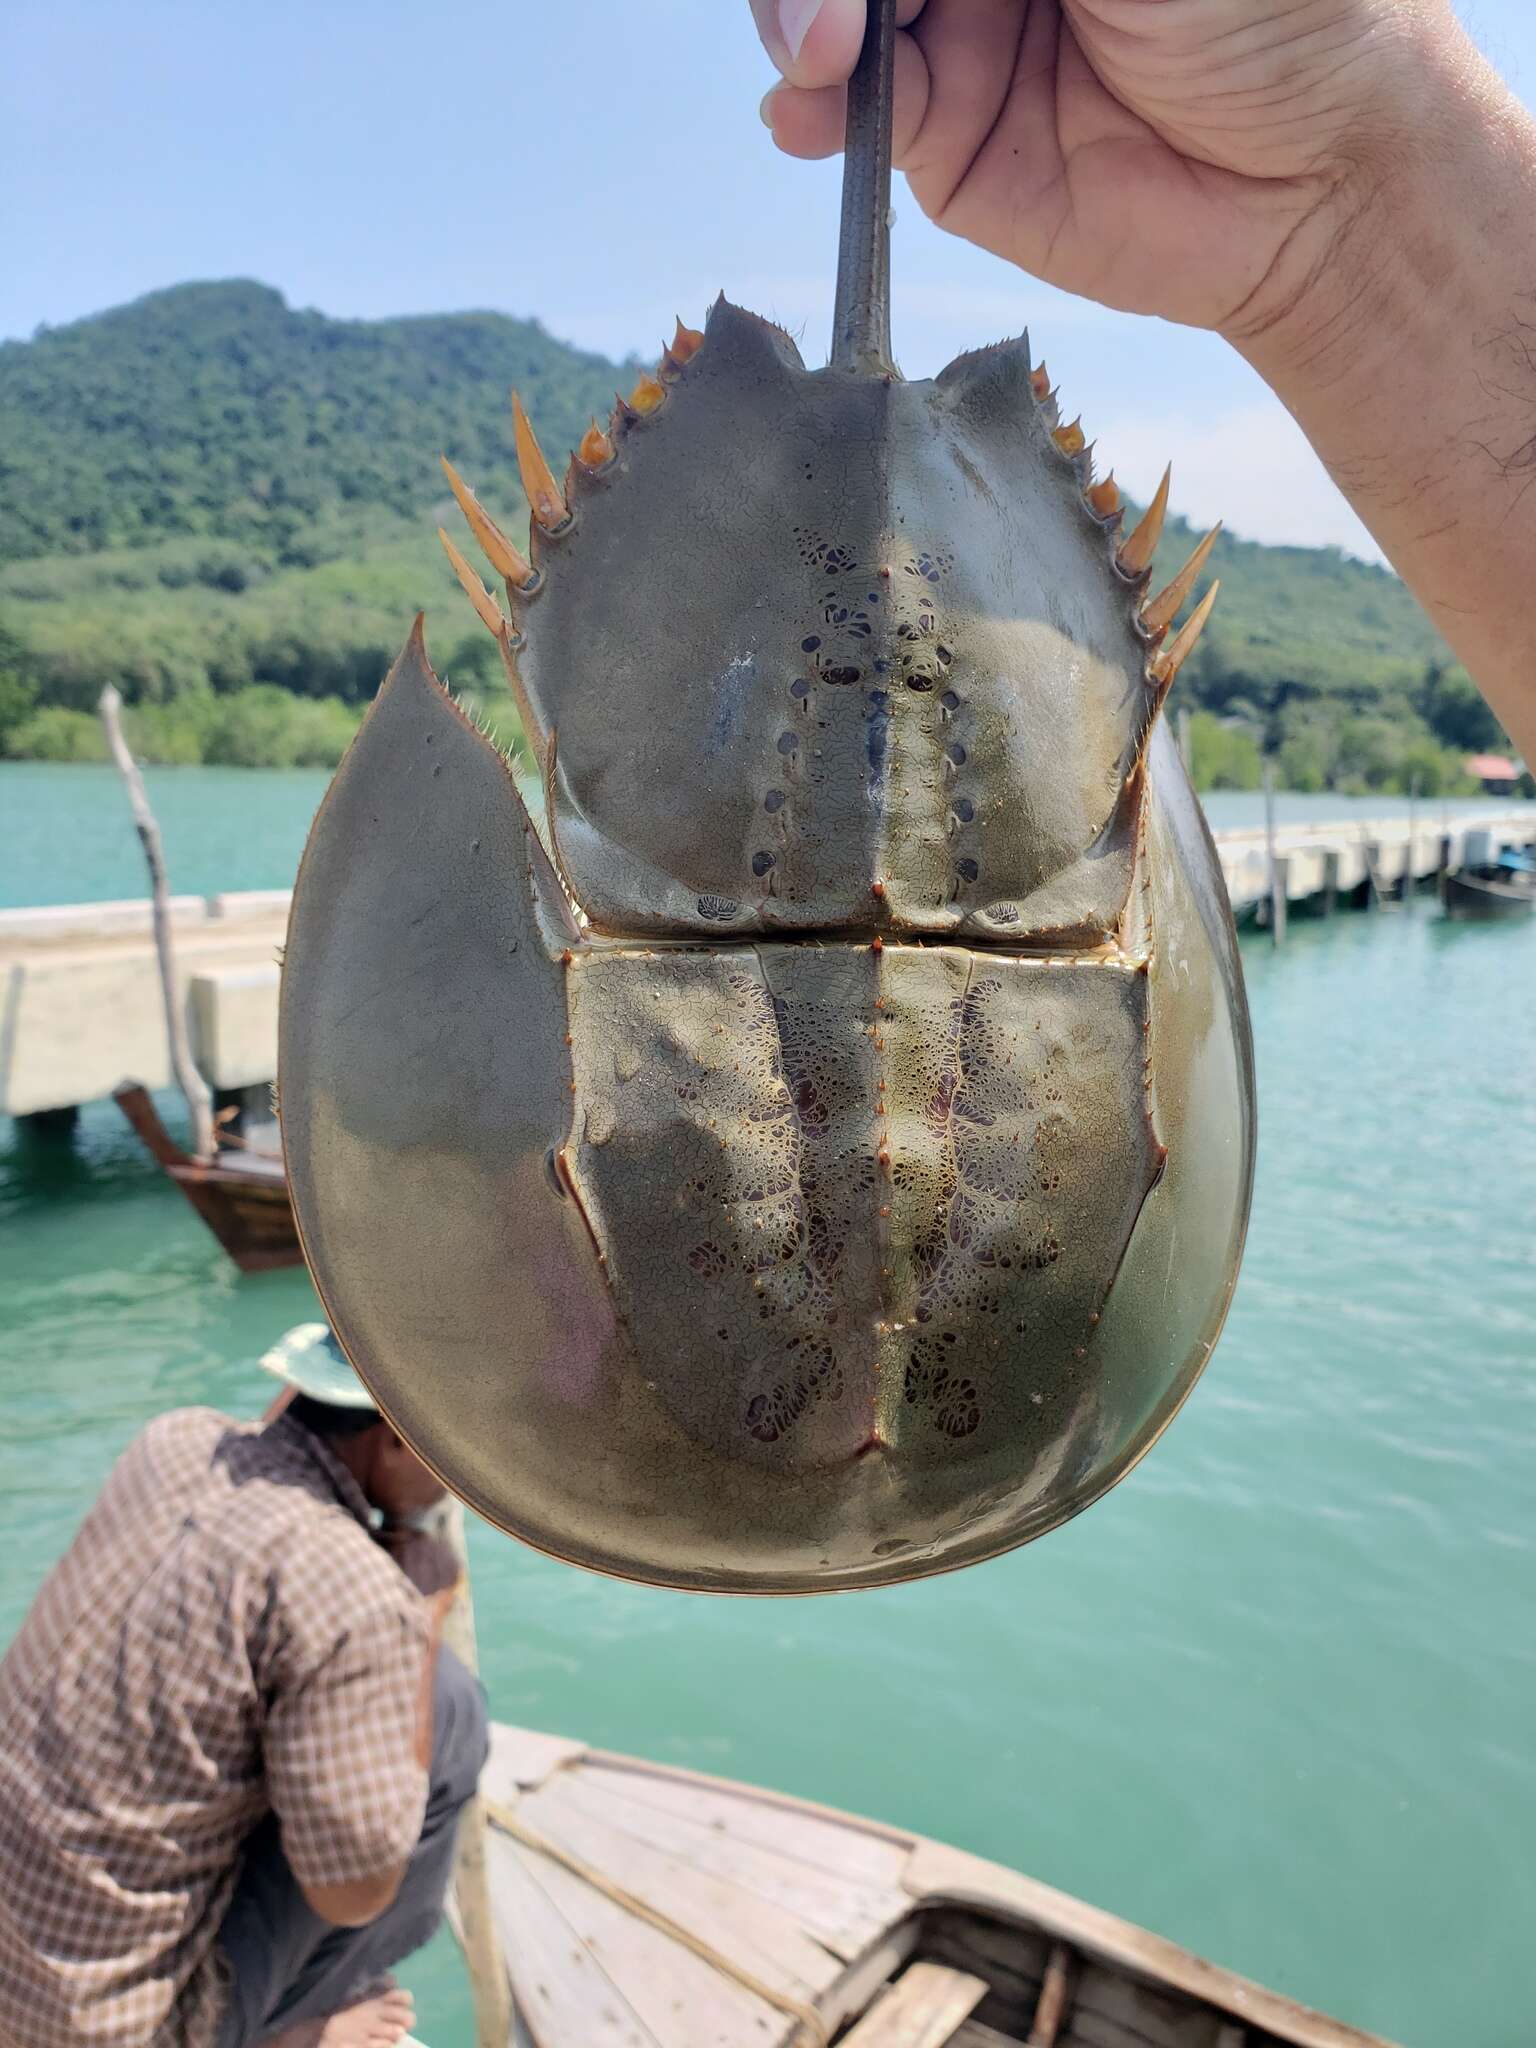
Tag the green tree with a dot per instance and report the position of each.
(1223, 756)
(55, 734)
(1455, 713)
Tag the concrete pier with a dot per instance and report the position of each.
(80, 994)
(80, 1006)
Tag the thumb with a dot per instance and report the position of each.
(817, 42)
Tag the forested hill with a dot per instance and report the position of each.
(226, 506)
(219, 410)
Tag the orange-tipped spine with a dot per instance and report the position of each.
(1159, 613)
(648, 394)
(545, 498)
(1166, 665)
(596, 450)
(685, 343)
(1139, 546)
(1071, 440)
(491, 615)
(503, 557)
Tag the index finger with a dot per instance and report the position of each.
(817, 42)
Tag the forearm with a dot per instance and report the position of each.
(424, 1698)
(439, 1607)
(1407, 353)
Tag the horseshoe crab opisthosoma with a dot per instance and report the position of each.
(827, 1161)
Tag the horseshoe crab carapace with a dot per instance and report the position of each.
(823, 1157)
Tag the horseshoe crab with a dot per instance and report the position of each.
(822, 1158)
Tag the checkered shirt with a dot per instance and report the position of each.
(223, 1639)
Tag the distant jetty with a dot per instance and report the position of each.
(80, 1006)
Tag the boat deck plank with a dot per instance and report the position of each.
(922, 2009)
(563, 1993)
(852, 1851)
(521, 1758)
(755, 1932)
(843, 1915)
(675, 1996)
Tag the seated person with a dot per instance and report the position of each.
(233, 1750)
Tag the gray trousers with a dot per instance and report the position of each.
(286, 1963)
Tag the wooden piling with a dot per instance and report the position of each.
(473, 1922)
(188, 1079)
(1278, 878)
(1373, 894)
(1330, 895)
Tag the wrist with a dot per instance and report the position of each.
(1396, 215)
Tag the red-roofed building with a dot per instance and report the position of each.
(1495, 772)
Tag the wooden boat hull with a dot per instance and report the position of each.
(640, 1906)
(244, 1201)
(1482, 896)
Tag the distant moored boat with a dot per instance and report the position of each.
(1502, 888)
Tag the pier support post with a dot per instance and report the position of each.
(1278, 872)
(1330, 891)
(49, 1126)
(1373, 874)
(1279, 897)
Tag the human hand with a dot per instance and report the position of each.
(1198, 159)
(428, 1563)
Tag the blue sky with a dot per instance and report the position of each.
(599, 165)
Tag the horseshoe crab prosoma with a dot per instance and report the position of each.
(827, 1160)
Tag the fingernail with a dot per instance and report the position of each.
(795, 18)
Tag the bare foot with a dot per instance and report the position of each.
(378, 2021)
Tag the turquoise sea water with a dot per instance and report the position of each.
(1275, 1697)
(66, 835)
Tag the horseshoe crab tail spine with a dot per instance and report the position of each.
(861, 317)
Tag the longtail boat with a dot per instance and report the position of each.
(642, 1906)
(241, 1194)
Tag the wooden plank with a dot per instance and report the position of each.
(922, 2009)
(974, 2035)
(1053, 1998)
(841, 1915)
(1012, 1958)
(678, 1774)
(683, 2001)
(563, 1994)
(864, 1981)
(1127, 2012)
(754, 1933)
(521, 1758)
(473, 1924)
(936, 1872)
(850, 1850)
(1114, 2010)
